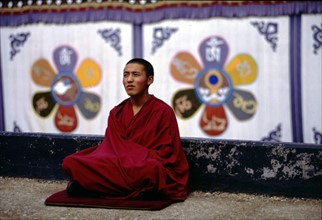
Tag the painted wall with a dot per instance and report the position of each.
(244, 71)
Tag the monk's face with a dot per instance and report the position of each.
(135, 80)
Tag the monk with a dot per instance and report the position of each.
(141, 154)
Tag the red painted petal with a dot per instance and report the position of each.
(66, 119)
(213, 120)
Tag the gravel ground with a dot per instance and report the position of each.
(22, 198)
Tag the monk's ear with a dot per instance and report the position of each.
(150, 80)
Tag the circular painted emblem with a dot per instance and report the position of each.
(213, 86)
(65, 89)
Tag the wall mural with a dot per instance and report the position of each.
(214, 85)
(219, 86)
(66, 88)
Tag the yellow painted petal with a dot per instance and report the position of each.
(89, 73)
(242, 69)
(42, 73)
(184, 67)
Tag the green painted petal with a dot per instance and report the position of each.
(43, 103)
(185, 103)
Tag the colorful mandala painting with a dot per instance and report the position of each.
(214, 85)
(66, 88)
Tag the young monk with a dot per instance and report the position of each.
(141, 154)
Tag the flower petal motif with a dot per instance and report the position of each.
(66, 88)
(184, 67)
(42, 73)
(89, 73)
(89, 104)
(214, 120)
(65, 118)
(65, 58)
(185, 103)
(213, 51)
(242, 104)
(43, 103)
(242, 69)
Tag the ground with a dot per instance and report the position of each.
(22, 198)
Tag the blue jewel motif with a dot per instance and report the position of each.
(113, 37)
(269, 30)
(213, 80)
(317, 37)
(160, 35)
(16, 42)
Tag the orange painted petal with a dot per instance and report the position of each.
(66, 119)
(213, 120)
(184, 67)
(242, 69)
(42, 73)
(89, 73)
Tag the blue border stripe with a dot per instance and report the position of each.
(137, 41)
(168, 11)
(295, 77)
(2, 124)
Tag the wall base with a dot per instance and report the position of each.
(289, 169)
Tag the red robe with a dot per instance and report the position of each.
(139, 153)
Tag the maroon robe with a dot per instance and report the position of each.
(139, 153)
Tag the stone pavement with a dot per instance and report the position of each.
(22, 198)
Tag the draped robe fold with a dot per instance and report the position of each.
(139, 153)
